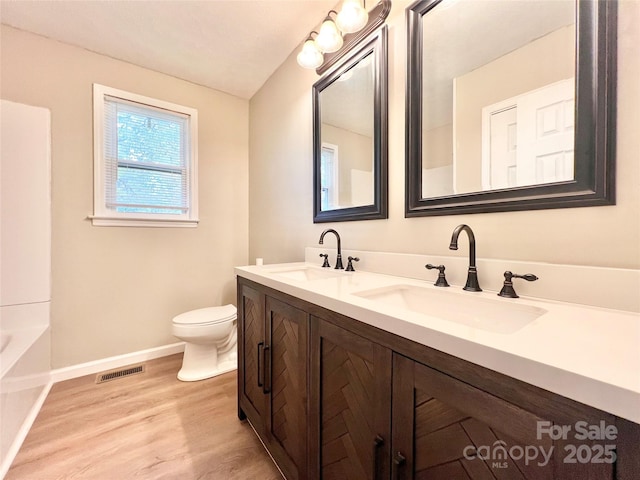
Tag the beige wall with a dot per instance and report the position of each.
(355, 151)
(437, 146)
(115, 289)
(280, 178)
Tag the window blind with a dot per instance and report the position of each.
(146, 158)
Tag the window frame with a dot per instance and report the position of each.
(103, 216)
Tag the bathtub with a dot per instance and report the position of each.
(25, 271)
(25, 365)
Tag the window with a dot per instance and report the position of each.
(145, 160)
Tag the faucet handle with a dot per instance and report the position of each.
(442, 280)
(507, 288)
(326, 260)
(529, 277)
(350, 265)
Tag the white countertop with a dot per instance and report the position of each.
(588, 354)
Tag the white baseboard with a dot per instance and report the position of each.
(82, 369)
(24, 430)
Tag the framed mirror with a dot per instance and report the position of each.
(510, 105)
(350, 135)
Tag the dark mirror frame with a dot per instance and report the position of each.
(595, 115)
(376, 43)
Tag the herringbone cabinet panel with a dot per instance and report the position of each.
(253, 337)
(352, 393)
(347, 414)
(287, 384)
(456, 432)
(285, 412)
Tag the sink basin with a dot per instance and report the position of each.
(304, 274)
(497, 316)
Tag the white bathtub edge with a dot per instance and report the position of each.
(24, 430)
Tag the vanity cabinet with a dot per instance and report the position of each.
(443, 429)
(272, 376)
(379, 406)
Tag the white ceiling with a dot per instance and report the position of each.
(229, 45)
(348, 102)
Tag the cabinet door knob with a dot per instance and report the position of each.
(378, 441)
(398, 461)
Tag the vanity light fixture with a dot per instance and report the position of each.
(329, 38)
(336, 37)
(310, 56)
(352, 18)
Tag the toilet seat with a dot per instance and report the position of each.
(206, 316)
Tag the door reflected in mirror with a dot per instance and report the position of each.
(498, 95)
(346, 159)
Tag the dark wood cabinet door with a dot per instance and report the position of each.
(350, 405)
(286, 386)
(445, 429)
(251, 355)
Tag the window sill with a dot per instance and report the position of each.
(100, 221)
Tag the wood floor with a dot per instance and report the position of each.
(146, 426)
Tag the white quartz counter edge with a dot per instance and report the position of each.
(591, 355)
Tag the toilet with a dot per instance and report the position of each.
(210, 338)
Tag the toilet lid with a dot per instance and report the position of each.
(207, 316)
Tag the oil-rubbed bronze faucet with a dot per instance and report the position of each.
(472, 284)
(339, 257)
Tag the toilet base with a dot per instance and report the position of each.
(203, 361)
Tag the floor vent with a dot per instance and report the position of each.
(116, 374)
